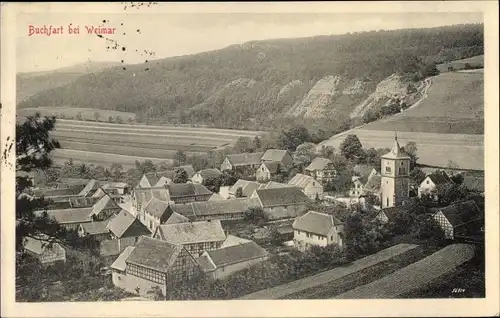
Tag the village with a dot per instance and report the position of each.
(158, 236)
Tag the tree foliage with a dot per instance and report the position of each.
(351, 147)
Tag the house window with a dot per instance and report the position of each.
(427, 182)
(331, 238)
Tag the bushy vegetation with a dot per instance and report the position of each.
(194, 89)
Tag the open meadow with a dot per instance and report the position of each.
(107, 143)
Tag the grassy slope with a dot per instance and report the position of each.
(475, 61)
(455, 104)
(72, 112)
(447, 125)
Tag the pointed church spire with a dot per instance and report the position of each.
(396, 151)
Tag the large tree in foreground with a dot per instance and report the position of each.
(33, 153)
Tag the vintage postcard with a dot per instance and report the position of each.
(249, 159)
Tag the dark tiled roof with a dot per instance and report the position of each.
(38, 246)
(125, 224)
(395, 210)
(245, 159)
(113, 247)
(187, 189)
(236, 254)
(156, 207)
(274, 155)
(461, 212)
(95, 228)
(207, 208)
(176, 218)
(192, 232)
(81, 215)
(315, 222)
(282, 197)
(49, 192)
(155, 254)
(318, 164)
(440, 177)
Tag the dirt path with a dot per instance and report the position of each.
(414, 276)
(328, 276)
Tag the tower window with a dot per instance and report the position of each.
(387, 169)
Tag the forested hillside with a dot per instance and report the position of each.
(260, 83)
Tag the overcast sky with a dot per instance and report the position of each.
(172, 34)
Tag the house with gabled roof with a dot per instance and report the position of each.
(281, 156)
(125, 228)
(155, 213)
(141, 196)
(310, 186)
(91, 187)
(201, 176)
(432, 181)
(153, 263)
(70, 218)
(82, 202)
(47, 254)
(156, 179)
(227, 260)
(242, 161)
(280, 203)
(98, 230)
(317, 229)
(196, 237)
(105, 208)
(188, 192)
(321, 169)
(230, 209)
(454, 218)
(119, 187)
(247, 188)
(267, 170)
(362, 173)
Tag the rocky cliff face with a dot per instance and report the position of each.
(331, 93)
(391, 89)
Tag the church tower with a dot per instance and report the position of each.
(395, 166)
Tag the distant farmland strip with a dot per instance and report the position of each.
(297, 286)
(414, 276)
(126, 149)
(164, 131)
(192, 137)
(105, 159)
(98, 137)
(179, 128)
